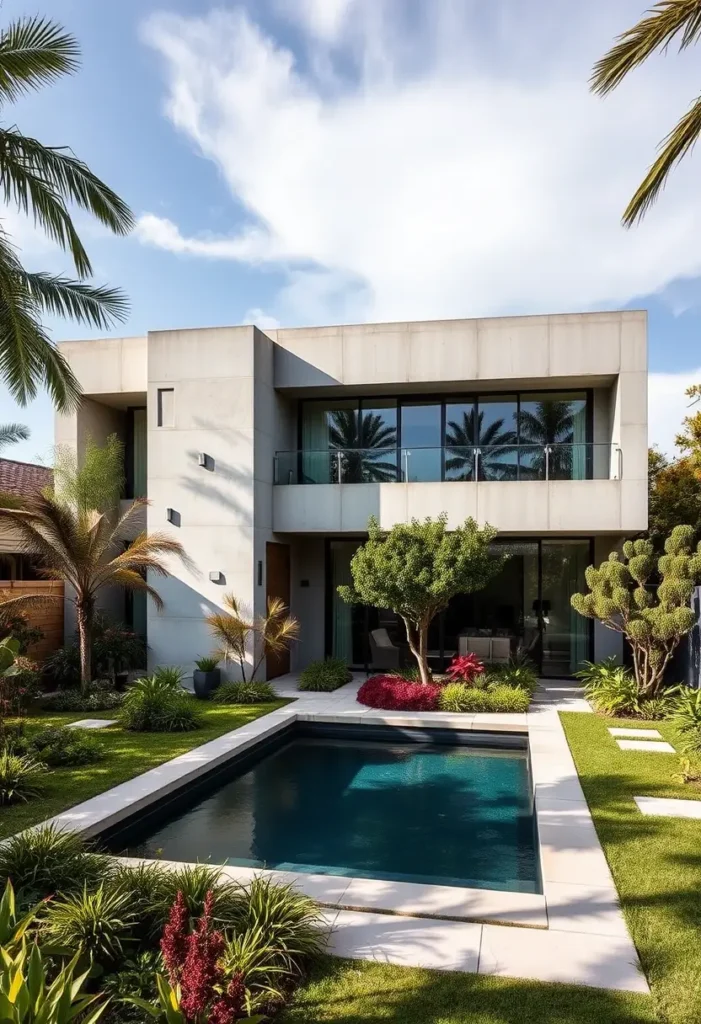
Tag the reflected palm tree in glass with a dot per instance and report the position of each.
(496, 444)
(368, 444)
(552, 424)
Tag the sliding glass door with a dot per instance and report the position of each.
(524, 610)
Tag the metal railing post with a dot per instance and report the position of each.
(339, 471)
(276, 470)
(477, 454)
(619, 453)
(547, 462)
(406, 453)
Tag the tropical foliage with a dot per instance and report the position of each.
(497, 445)
(252, 692)
(324, 676)
(686, 715)
(652, 623)
(76, 533)
(154, 704)
(11, 433)
(416, 568)
(239, 634)
(665, 22)
(674, 496)
(44, 183)
(366, 446)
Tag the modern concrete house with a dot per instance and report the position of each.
(265, 453)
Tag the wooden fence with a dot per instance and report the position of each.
(48, 617)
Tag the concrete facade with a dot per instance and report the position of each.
(230, 397)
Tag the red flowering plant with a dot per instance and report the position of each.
(196, 990)
(394, 694)
(464, 668)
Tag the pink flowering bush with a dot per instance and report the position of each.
(464, 668)
(390, 693)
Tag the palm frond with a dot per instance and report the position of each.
(97, 306)
(11, 433)
(680, 141)
(665, 20)
(135, 581)
(27, 357)
(68, 176)
(33, 52)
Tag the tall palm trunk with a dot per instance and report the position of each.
(86, 610)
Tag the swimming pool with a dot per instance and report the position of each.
(401, 805)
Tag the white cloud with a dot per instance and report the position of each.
(260, 318)
(461, 168)
(668, 405)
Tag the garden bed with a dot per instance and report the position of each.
(128, 754)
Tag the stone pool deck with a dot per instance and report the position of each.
(574, 932)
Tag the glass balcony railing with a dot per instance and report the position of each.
(471, 463)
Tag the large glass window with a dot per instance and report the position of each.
(326, 427)
(460, 440)
(421, 441)
(496, 423)
(558, 422)
(565, 632)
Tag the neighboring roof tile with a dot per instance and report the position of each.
(24, 477)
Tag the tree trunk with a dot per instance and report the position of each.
(85, 616)
(417, 637)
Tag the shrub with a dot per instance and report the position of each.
(169, 675)
(459, 697)
(47, 860)
(207, 664)
(277, 933)
(18, 627)
(657, 708)
(21, 777)
(22, 687)
(97, 698)
(61, 670)
(614, 691)
(508, 699)
(244, 693)
(31, 990)
(594, 671)
(136, 977)
(686, 716)
(93, 924)
(156, 704)
(63, 746)
(394, 694)
(194, 882)
(516, 674)
(324, 676)
(144, 885)
(464, 668)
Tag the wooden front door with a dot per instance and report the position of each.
(277, 584)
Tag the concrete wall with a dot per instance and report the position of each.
(553, 348)
(539, 507)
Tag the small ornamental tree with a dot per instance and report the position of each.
(653, 623)
(416, 568)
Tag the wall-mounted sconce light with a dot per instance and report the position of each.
(260, 574)
(201, 459)
(216, 576)
(170, 515)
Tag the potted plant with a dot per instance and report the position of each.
(206, 677)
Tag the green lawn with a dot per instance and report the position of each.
(356, 992)
(129, 754)
(656, 862)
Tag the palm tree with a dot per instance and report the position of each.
(369, 446)
(551, 424)
(495, 442)
(11, 433)
(235, 631)
(41, 181)
(75, 533)
(665, 21)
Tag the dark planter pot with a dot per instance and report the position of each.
(205, 682)
(120, 681)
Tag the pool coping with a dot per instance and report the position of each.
(576, 925)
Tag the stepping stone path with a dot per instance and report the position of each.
(647, 734)
(92, 723)
(657, 746)
(668, 807)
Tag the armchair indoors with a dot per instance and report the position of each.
(384, 654)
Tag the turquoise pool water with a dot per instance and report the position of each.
(399, 811)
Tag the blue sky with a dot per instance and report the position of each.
(318, 161)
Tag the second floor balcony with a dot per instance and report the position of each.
(484, 463)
